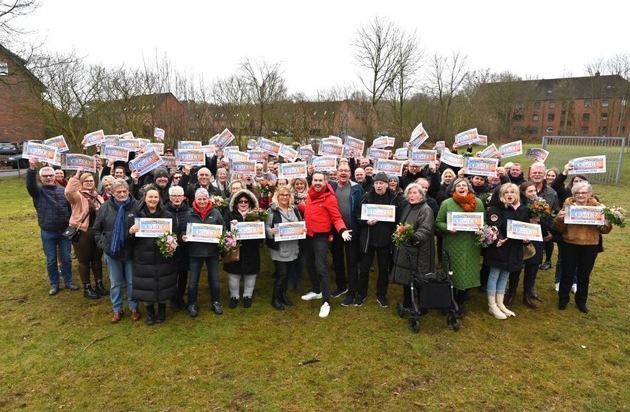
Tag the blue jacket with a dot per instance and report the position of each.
(53, 209)
(356, 193)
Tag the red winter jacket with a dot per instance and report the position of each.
(322, 212)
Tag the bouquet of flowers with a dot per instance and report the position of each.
(539, 208)
(256, 215)
(167, 243)
(615, 215)
(489, 235)
(219, 202)
(228, 242)
(402, 234)
(266, 187)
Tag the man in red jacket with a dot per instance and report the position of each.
(321, 213)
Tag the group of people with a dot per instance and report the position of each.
(104, 206)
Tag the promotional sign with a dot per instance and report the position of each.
(490, 151)
(382, 213)
(74, 161)
(93, 138)
(374, 153)
(356, 144)
(440, 145)
(590, 164)
(133, 145)
(306, 152)
(330, 149)
(158, 147)
(332, 139)
(511, 149)
(539, 155)
(209, 149)
(190, 157)
(237, 155)
(482, 140)
(249, 230)
(158, 134)
(223, 139)
(243, 168)
(115, 153)
(257, 155)
(523, 231)
(203, 233)
(127, 136)
(452, 159)
(418, 136)
(188, 144)
(383, 142)
(584, 215)
(40, 152)
(288, 153)
(59, 142)
(269, 146)
(464, 221)
(422, 157)
(481, 166)
(170, 162)
(153, 227)
(290, 231)
(467, 137)
(146, 162)
(391, 167)
(324, 163)
(292, 170)
(110, 140)
(402, 153)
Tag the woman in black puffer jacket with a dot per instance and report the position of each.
(154, 276)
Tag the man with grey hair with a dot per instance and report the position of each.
(53, 215)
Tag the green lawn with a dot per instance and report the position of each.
(61, 353)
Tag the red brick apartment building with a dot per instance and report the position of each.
(21, 114)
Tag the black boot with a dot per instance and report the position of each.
(101, 289)
(581, 304)
(88, 292)
(284, 298)
(277, 295)
(161, 316)
(150, 315)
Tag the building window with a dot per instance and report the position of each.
(551, 117)
(537, 104)
(586, 117)
(518, 117)
(535, 118)
(588, 103)
(603, 130)
(549, 129)
(517, 130)
(584, 130)
(552, 104)
(604, 103)
(4, 68)
(604, 117)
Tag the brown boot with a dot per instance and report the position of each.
(529, 302)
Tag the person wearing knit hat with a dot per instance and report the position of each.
(160, 172)
(381, 177)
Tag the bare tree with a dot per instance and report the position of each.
(266, 84)
(234, 98)
(618, 64)
(10, 11)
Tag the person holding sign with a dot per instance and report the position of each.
(504, 255)
(282, 253)
(202, 211)
(154, 275)
(580, 247)
(460, 249)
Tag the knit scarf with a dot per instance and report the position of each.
(202, 212)
(468, 202)
(118, 235)
(92, 198)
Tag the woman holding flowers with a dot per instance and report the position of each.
(203, 211)
(461, 250)
(413, 237)
(243, 207)
(154, 269)
(580, 247)
(505, 255)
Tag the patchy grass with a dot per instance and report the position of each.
(61, 353)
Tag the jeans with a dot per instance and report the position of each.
(497, 279)
(52, 241)
(212, 264)
(119, 271)
(317, 265)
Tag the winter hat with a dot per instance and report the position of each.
(381, 177)
(160, 172)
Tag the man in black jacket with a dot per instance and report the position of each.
(376, 238)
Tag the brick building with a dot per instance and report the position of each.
(21, 114)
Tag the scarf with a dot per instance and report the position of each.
(468, 202)
(118, 234)
(202, 212)
(93, 200)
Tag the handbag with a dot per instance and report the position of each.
(233, 256)
(72, 233)
(529, 251)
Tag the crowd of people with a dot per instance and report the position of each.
(103, 207)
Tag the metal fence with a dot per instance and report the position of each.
(564, 148)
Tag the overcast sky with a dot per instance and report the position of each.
(312, 40)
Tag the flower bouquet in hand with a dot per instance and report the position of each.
(489, 235)
(218, 202)
(228, 242)
(539, 208)
(266, 187)
(402, 234)
(615, 215)
(256, 215)
(167, 243)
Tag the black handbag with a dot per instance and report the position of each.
(72, 233)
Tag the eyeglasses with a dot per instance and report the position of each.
(177, 195)
(47, 176)
(243, 201)
(88, 181)
(582, 193)
(176, 177)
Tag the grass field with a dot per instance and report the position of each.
(61, 353)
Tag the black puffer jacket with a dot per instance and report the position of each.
(104, 226)
(418, 255)
(510, 255)
(380, 234)
(249, 262)
(181, 216)
(154, 276)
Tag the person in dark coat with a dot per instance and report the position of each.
(202, 211)
(155, 275)
(504, 255)
(418, 254)
(181, 215)
(248, 266)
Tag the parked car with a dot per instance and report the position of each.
(17, 160)
(8, 148)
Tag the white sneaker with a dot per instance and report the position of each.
(557, 286)
(574, 288)
(324, 310)
(311, 296)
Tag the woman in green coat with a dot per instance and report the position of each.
(461, 251)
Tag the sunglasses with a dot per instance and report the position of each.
(243, 201)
